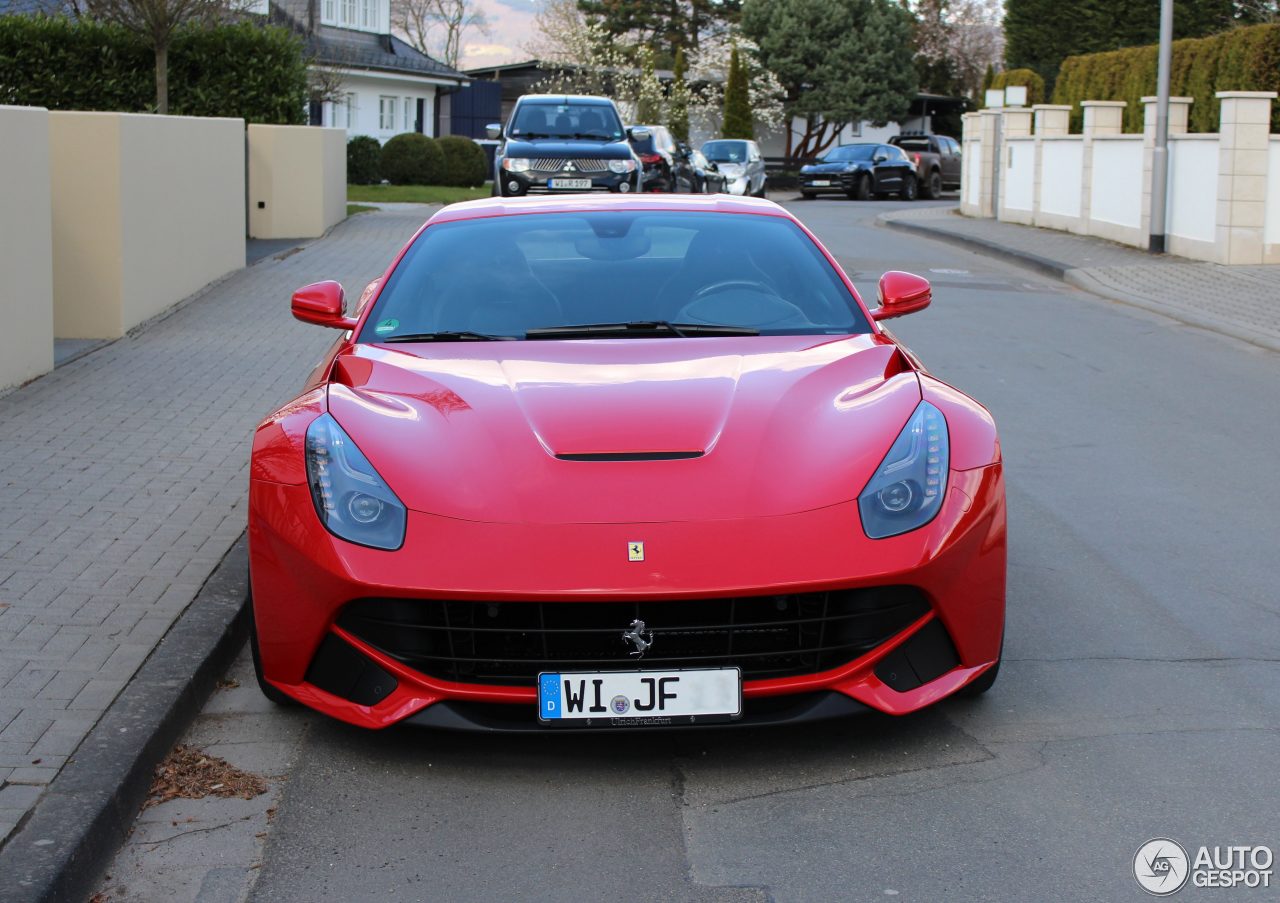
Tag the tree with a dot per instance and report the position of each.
(1039, 34)
(663, 25)
(155, 21)
(678, 100)
(437, 27)
(838, 61)
(737, 102)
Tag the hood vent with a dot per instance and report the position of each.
(634, 456)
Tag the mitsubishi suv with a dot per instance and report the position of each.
(557, 144)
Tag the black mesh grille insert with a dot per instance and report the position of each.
(509, 643)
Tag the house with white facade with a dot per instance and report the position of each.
(377, 85)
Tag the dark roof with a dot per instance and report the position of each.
(33, 7)
(348, 48)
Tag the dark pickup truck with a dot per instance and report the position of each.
(937, 160)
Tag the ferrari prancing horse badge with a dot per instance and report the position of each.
(635, 551)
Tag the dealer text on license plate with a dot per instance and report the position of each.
(630, 698)
(579, 184)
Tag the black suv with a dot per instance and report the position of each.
(557, 144)
(665, 161)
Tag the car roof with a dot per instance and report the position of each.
(597, 203)
(565, 98)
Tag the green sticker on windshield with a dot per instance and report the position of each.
(387, 326)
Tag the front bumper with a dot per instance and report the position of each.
(837, 182)
(302, 577)
(538, 183)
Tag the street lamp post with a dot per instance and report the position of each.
(1160, 155)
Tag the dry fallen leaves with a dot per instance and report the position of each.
(189, 773)
(227, 683)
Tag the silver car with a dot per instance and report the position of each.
(740, 163)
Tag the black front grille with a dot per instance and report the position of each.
(509, 643)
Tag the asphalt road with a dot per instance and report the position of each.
(1139, 697)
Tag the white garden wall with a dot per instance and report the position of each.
(26, 246)
(1193, 192)
(1223, 193)
(146, 211)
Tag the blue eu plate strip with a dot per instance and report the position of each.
(549, 696)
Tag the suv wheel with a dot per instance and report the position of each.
(861, 188)
(933, 187)
(910, 189)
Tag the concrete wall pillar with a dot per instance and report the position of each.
(1243, 152)
(1052, 120)
(1179, 116)
(970, 135)
(989, 127)
(1101, 117)
(1016, 122)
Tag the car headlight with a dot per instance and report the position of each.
(732, 170)
(621, 166)
(517, 164)
(906, 491)
(353, 502)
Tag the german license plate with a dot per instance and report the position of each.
(639, 698)
(578, 184)
(821, 183)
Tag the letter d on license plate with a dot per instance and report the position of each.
(632, 698)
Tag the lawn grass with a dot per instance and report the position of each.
(415, 194)
(353, 209)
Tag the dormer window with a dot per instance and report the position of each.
(361, 15)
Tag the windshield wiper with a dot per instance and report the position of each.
(446, 337)
(637, 328)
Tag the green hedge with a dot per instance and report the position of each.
(1028, 78)
(1244, 59)
(412, 159)
(465, 164)
(364, 161)
(256, 74)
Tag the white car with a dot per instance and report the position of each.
(740, 163)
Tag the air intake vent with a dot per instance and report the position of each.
(634, 456)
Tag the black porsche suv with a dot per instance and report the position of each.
(556, 144)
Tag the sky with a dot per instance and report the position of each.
(511, 24)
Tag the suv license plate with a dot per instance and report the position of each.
(578, 184)
(639, 698)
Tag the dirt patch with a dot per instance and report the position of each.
(189, 773)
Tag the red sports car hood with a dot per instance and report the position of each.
(672, 429)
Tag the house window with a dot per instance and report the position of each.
(329, 14)
(387, 113)
(348, 16)
(368, 14)
(408, 114)
(350, 106)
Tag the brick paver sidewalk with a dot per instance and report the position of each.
(1242, 301)
(123, 478)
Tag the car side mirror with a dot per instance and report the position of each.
(493, 130)
(322, 303)
(639, 134)
(900, 294)
(879, 158)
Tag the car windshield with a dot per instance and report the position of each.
(849, 152)
(566, 120)
(726, 151)
(504, 276)
(914, 144)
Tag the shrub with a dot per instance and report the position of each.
(412, 159)
(255, 74)
(1243, 59)
(364, 161)
(465, 164)
(1028, 78)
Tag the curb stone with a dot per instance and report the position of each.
(1080, 277)
(85, 814)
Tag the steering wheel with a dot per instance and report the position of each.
(726, 284)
